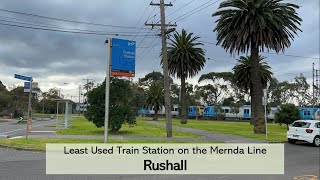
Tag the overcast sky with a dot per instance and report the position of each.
(56, 58)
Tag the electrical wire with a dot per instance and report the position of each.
(64, 20)
(180, 8)
(289, 55)
(140, 20)
(59, 27)
(194, 11)
(65, 31)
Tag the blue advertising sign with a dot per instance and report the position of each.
(123, 57)
(18, 76)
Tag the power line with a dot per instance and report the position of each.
(291, 55)
(57, 27)
(181, 7)
(271, 53)
(159, 12)
(65, 20)
(147, 50)
(65, 31)
(140, 19)
(198, 9)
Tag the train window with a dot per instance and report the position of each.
(318, 113)
(175, 109)
(307, 113)
(226, 111)
(246, 111)
(317, 125)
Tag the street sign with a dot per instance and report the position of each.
(123, 57)
(35, 87)
(26, 85)
(18, 76)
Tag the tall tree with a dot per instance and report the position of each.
(243, 78)
(256, 25)
(221, 84)
(155, 98)
(185, 59)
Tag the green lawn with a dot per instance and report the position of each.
(40, 144)
(81, 126)
(275, 132)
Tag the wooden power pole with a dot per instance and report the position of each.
(164, 32)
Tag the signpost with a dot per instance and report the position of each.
(35, 87)
(26, 78)
(264, 102)
(121, 56)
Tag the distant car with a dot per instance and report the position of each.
(304, 130)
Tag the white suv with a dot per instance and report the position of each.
(304, 130)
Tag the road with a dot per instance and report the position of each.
(299, 160)
(11, 128)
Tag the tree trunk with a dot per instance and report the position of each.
(183, 117)
(155, 117)
(252, 109)
(257, 93)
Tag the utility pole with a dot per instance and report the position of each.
(318, 86)
(79, 99)
(89, 81)
(313, 99)
(164, 32)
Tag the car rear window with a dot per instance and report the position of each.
(301, 124)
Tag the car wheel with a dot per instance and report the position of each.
(292, 141)
(316, 141)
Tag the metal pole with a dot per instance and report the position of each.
(79, 99)
(65, 115)
(266, 120)
(57, 119)
(29, 107)
(313, 85)
(42, 110)
(106, 115)
(265, 111)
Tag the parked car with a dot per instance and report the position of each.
(304, 130)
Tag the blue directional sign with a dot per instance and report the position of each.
(22, 77)
(123, 57)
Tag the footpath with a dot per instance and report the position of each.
(208, 136)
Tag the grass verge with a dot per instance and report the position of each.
(276, 132)
(81, 126)
(40, 144)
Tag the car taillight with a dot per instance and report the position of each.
(309, 130)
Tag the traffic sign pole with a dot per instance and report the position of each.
(106, 118)
(29, 107)
(26, 78)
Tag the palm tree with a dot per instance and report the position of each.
(256, 25)
(155, 98)
(242, 74)
(185, 60)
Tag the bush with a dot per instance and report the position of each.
(287, 114)
(121, 110)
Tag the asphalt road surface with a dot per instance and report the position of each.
(300, 160)
(11, 128)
